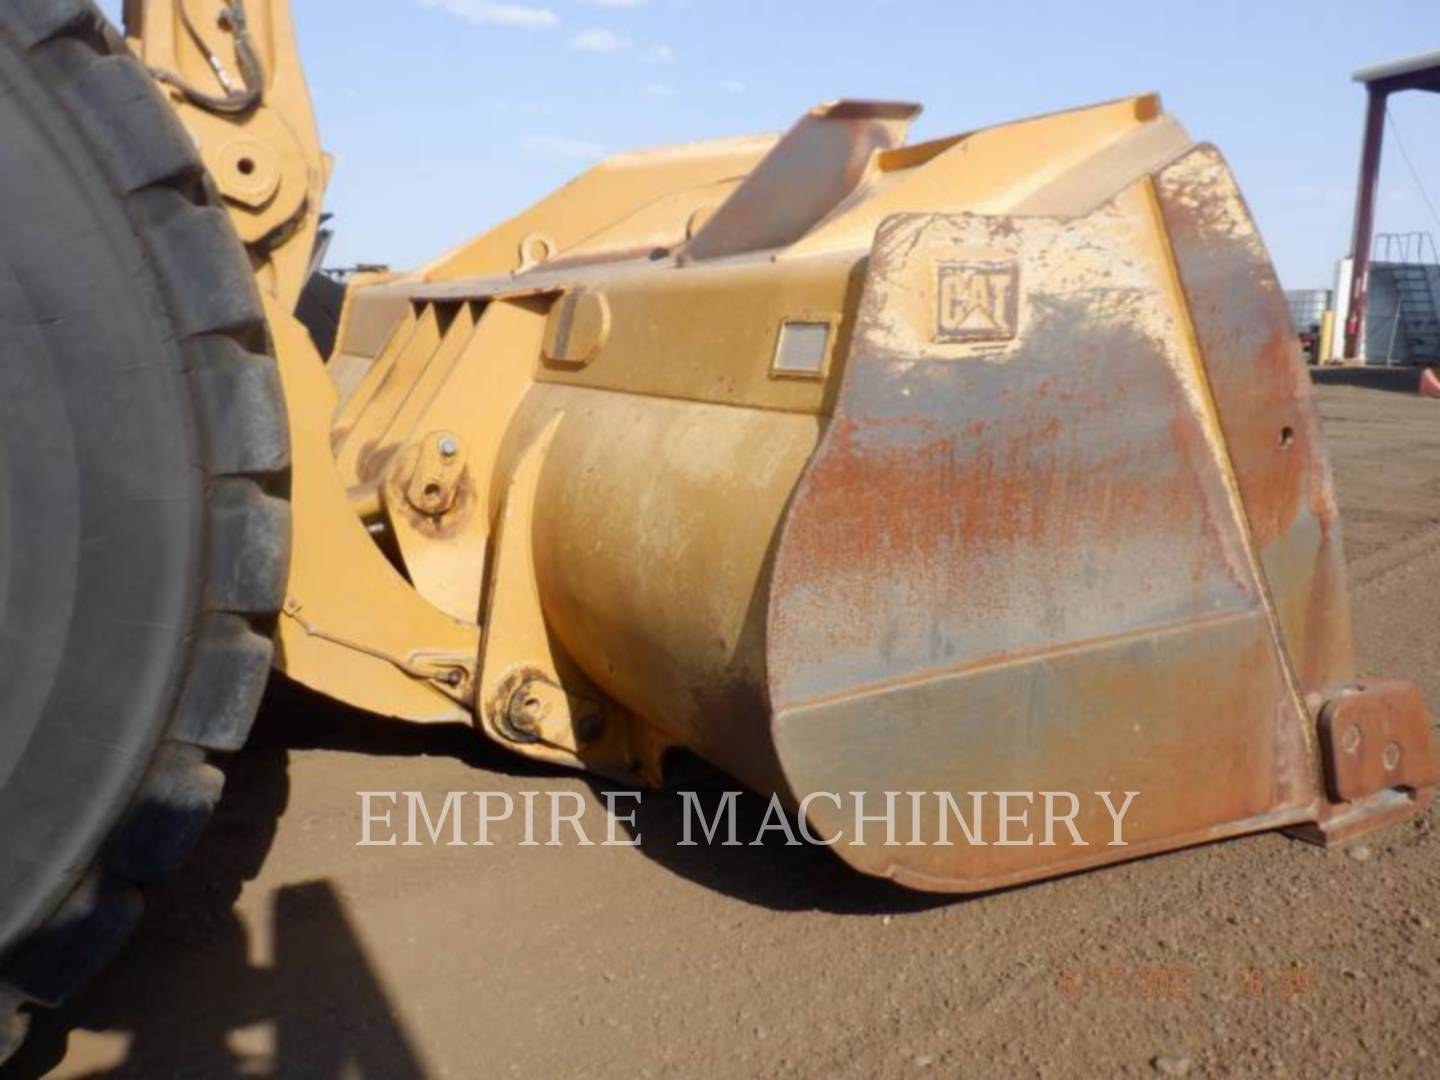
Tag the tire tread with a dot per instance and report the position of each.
(154, 170)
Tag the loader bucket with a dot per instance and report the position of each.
(964, 496)
(1071, 532)
(968, 496)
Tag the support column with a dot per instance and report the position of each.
(1363, 235)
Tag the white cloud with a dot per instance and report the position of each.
(558, 146)
(659, 54)
(656, 89)
(733, 86)
(614, 3)
(496, 13)
(599, 41)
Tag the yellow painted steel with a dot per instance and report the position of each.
(684, 456)
(352, 627)
(626, 206)
(528, 689)
(629, 377)
(265, 158)
(672, 437)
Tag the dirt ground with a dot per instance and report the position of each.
(285, 949)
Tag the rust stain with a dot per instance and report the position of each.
(1008, 493)
(1051, 516)
(1262, 395)
(1377, 736)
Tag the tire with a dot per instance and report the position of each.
(144, 528)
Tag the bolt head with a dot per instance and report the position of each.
(447, 447)
(1391, 758)
(1350, 741)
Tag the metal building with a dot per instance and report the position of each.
(1413, 297)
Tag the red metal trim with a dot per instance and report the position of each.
(1362, 235)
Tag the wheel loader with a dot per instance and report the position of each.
(847, 463)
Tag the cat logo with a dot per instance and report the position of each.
(978, 301)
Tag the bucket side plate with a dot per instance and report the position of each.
(1023, 559)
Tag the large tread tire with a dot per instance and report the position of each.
(144, 527)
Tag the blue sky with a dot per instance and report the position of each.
(446, 116)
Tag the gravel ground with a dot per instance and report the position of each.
(285, 949)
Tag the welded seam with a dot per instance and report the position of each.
(1018, 659)
(1216, 435)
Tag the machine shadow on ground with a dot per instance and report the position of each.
(190, 924)
(191, 941)
(771, 875)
